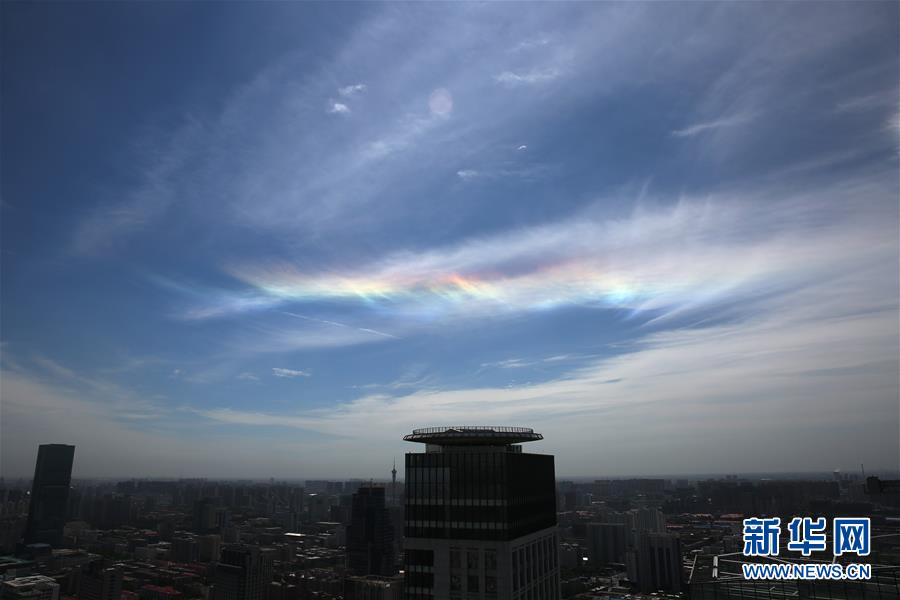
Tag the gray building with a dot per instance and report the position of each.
(606, 543)
(243, 573)
(656, 563)
(480, 519)
(35, 587)
(98, 582)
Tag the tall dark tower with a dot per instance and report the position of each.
(49, 494)
(480, 516)
(370, 537)
(243, 573)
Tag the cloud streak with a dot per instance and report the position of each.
(671, 258)
(699, 128)
(289, 373)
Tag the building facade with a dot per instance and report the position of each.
(480, 519)
(606, 543)
(243, 573)
(370, 536)
(49, 494)
(657, 562)
(99, 582)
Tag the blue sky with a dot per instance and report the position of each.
(269, 239)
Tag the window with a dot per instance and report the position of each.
(420, 557)
(472, 560)
(472, 584)
(490, 560)
(490, 584)
(455, 561)
(455, 583)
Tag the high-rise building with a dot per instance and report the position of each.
(99, 582)
(49, 494)
(185, 549)
(35, 587)
(606, 543)
(243, 573)
(480, 516)
(209, 547)
(208, 516)
(370, 536)
(656, 563)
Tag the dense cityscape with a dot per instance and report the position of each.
(473, 517)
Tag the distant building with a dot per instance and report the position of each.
(243, 573)
(208, 516)
(49, 494)
(185, 549)
(97, 582)
(656, 563)
(606, 543)
(35, 587)
(373, 587)
(641, 520)
(480, 516)
(209, 547)
(370, 536)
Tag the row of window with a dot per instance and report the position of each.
(546, 589)
(472, 559)
(473, 584)
(533, 561)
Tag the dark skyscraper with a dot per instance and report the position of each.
(480, 516)
(99, 582)
(49, 494)
(370, 536)
(606, 543)
(658, 562)
(243, 573)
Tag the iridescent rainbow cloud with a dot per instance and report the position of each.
(675, 258)
(655, 261)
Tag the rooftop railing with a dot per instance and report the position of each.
(471, 429)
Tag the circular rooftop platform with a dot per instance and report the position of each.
(473, 435)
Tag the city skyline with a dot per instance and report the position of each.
(664, 235)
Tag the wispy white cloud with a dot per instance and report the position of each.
(352, 90)
(113, 220)
(509, 363)
(698, 128)
(534, 76)
(532, 43)
(467, 174)
(698, 388)
(884, 99)
(275, 117)
(521, 363)
(121, 439)
(339, 108)
(247, 376)
(667, 259)
(289, 373)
